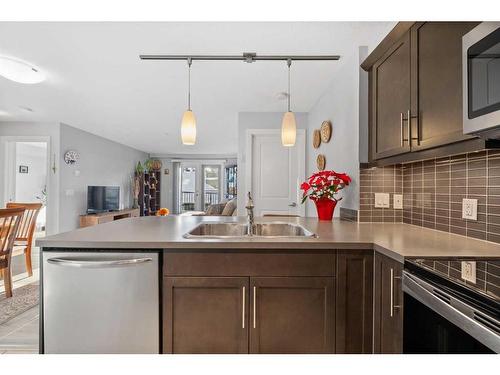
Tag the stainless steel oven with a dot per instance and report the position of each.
(481, 80)
(443, 315)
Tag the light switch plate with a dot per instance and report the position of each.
(382, 200)
(398, 201)
(469, 209)
(469, 271)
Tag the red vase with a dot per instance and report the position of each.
(325, 208)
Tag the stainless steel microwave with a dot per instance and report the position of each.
(481, 80)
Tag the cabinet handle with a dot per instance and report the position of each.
(254, 304)
(393, 306)
(401, 119)
(417, 138)
(243, 310)
(392, 293)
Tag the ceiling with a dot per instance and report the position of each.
(97, 83)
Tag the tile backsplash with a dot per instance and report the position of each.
(380, 180)
(433, 191)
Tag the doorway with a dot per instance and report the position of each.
(26, 180)
(25, 169)
(274, 172)
(199, 186)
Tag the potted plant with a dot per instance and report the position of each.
(322, 188)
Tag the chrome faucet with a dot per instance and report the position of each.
(250, 217)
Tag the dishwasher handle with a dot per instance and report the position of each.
(84, 263)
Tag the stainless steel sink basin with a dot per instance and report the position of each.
(239, 230)
(281, 230)
(218, 230)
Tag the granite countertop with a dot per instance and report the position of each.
(399, 241)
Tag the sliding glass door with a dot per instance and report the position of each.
(189, 197)
(199, 186)
(211, 185)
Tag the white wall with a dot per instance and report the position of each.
(258, 120)
(30, 185)
(102, 162)
(339, 104)
(28, 131)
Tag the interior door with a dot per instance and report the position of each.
(391, 101)
(205, 315)
(292, 315)
(276, 173)
(437, 83)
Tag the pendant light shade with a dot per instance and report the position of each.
(288, 125)
(188, 128)
(188, 125)
(288, 130)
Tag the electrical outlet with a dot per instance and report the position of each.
(398, 201)
(469, 271)
(382, 200)
(469, 209)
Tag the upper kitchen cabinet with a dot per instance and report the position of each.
(436, 108)
(391, 100)
(416, 92)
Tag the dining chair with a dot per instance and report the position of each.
(26, 230)
(10, 218)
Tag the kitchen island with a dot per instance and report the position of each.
(339, 292)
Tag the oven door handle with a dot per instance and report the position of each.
(457, 312)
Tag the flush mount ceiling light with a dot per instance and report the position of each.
(188, 125)
(20, 71)
(288, 126)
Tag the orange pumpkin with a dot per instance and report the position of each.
(162, 212)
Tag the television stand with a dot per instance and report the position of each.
(106, 217)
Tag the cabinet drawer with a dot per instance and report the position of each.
(275, 263)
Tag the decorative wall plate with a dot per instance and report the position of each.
(156, 165)
(71, 157)
(321, 162)
(316, 138)
(326, 131)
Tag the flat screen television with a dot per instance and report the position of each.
(103, 199)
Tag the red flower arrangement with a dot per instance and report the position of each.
(321, 188)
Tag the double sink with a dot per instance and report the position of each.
(239, 230)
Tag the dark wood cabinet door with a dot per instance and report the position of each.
(437, 83)
(354, 302)
(292, 315)
(205, 315)
(391, 101)
(388, 306)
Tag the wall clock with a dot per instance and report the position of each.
(326, 131)
(71, 157)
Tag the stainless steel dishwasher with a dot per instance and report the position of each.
(100, 302)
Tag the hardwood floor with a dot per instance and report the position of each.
(20, 334)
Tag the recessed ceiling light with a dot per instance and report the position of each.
(20, 71)
(27, 109)
(4, 113)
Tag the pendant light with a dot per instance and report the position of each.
(288, 126)
(188, 126)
